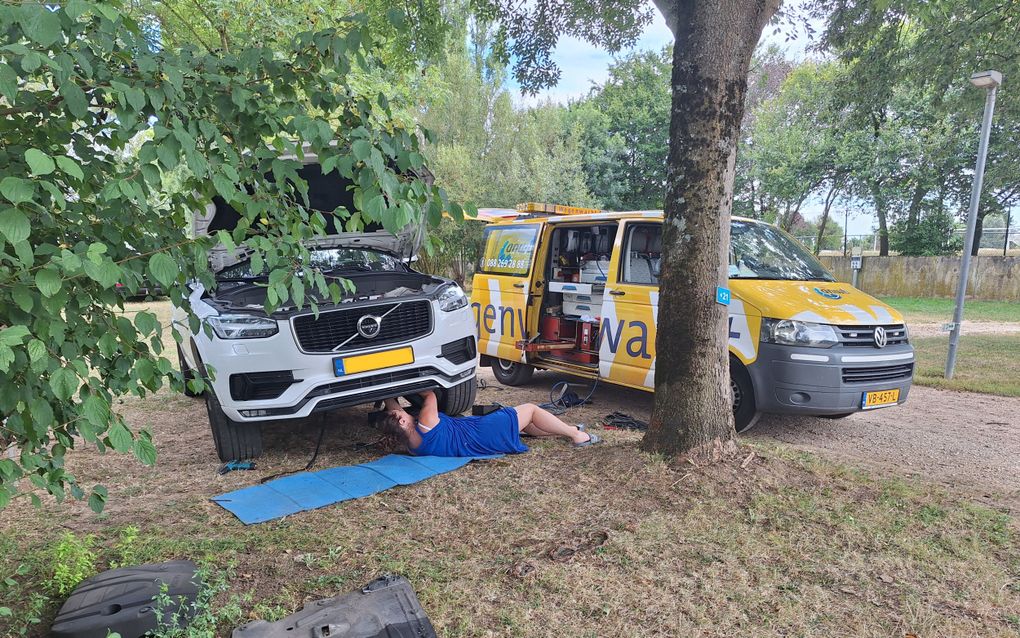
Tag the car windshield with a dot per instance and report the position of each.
(329, 260)
(761, 251)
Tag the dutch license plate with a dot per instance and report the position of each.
(374, 361)
(880, 399)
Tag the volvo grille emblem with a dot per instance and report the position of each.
(369, 326)
(880, 337)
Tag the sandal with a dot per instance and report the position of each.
(593, 439)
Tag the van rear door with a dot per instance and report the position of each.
(630, 309)
(502, 288)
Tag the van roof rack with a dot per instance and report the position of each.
(554, 209)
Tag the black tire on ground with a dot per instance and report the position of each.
(511, 372)
(459, 398)
(836, 416)
(745, 413)
(234, 441)
(189, 374)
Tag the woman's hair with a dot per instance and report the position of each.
(389, 425)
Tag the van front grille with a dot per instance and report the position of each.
(878, 373)
(864, 336)
(403, 321)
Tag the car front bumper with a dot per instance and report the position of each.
(820, 381)
(316, 387)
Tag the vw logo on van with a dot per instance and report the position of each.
(881, 338)
(369, 326)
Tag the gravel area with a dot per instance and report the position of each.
(965, 441)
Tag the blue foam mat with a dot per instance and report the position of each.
(312, 490)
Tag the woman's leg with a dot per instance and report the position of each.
(538, 422)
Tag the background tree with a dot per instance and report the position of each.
(94, 117)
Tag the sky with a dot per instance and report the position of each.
(583, 65)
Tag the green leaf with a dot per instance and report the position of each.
(40, 163)
(120, 438)
(98, 499)
(96, 409)
(70, 167)
(36, 350)
(40, 24)
(145, 451)
(106, 273)
(14, 225)
(146, 322)
(164, 269)
(48, 282)
(361, 150)
(75, 99)
(17, 190)
(13, 335)
(63, 382)
(8, 82)
(23, 298)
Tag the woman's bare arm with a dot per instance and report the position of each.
(429, 415)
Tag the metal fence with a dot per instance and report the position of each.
(994, 241)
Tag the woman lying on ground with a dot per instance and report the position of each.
(436, 434)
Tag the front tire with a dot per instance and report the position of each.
(511, 372)
(459, 398)
(745, 412)
(234, 441)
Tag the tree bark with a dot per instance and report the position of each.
(693, 414)
(829, 199)
(882, 212)
(979, 229)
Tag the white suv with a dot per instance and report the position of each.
(399, 333)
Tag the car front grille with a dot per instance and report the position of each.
(403, 321)
(875, 374)
(864, 336)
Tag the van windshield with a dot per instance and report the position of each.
(761, 251)
(328, 260)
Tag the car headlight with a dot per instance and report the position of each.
(790, 332)
(243, 326)
(452, 298)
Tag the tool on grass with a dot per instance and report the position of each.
(622, 421)
(230, 466)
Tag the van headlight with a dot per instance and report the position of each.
(790, 332)
(452, 298)
(243, 326)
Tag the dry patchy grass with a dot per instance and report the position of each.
(600, 542)
(984, 363)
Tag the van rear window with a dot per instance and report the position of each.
(508, 250)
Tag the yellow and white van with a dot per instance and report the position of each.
(576, 290)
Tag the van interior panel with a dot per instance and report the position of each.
(576, 274)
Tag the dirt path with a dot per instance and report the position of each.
(934, 328)
(968, 442)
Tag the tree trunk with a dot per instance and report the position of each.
(979, 227)
(914, 212)
(829, 198)
(882, 212)
(693, 413)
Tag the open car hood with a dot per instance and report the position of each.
(326, 193)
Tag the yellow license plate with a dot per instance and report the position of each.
(880, 398)
(374, 361)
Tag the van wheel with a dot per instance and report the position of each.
(511, 372)
(189, 374)
(234, 441)
(745, 413)
(459, 398)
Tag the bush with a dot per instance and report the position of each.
(73, 561)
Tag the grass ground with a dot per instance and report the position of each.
(605, 542)
(984, 363)
(917, 309)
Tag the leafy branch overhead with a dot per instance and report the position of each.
(109, 144)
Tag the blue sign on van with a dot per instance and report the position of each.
(722, 296)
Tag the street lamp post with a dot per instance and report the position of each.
(990, 81)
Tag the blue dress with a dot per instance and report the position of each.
(495, 433)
